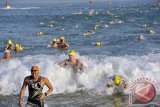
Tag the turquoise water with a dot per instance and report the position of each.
(117, 26)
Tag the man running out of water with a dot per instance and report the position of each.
(76, 64)
(35, 84)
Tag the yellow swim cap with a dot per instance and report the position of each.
(9, 41)
(145, 25)
(41, 33)
(98, 44)
(151, 31)
(62, 38)
(17, 45)
(72, 52)
(117, 79)
(54, 40)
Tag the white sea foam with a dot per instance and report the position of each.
(94, 76)
(20, 8)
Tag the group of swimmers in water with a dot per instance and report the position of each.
(56, 43)
(9, 49)
(35, 82)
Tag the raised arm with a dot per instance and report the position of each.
(81, 65)
(67, 45)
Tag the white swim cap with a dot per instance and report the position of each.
(6, 51)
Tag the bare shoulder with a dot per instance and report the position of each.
(79, 61)
(26, 79)
(66, 60)
(44, 79)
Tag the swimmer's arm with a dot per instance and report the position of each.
(48, 84)
(81, 65)
(125, 83)
(63, 63)
(12, 47)
(22, 91)
(49, 45)
(23, 88)
(66, 45)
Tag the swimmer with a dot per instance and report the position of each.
(9, 46)
(140, 37)
(53, 43)
(119, 83)
(76, 64)
(62, 44)
(7, 55)
(35, 84)
(18, 48)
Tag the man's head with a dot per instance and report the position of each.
(117, 79)
(54, 40)
(72, 54)
(17, 45)
(7, 54)
(34, 71)
(62, 38)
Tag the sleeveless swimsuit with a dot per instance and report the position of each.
(35, 90)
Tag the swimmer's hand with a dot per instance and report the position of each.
(77, 69)
(41, 96)
(125, 86)
(109, 85)
(20, 102)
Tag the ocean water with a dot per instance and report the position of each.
(116, 25)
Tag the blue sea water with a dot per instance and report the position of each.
(116, 25)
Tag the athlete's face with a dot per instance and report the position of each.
(34, 73)
(71, 57)
(7, 55)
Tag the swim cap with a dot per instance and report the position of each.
(72, 52)
(41, 33)
(151, 31)
(117, 79)
(62, 38)
(145, 25)
(9, 41)
(17, 45)
(54, 40)
(35, 68)
(6, 51)
(98, 44)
